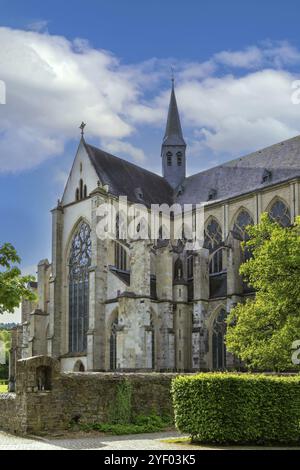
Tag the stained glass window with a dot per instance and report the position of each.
(79, 263)
(280, 213)
(212, 242)
(218, 341)
(243, 219)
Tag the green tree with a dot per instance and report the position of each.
(13, 286)
(261, 331)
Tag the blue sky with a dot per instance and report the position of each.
(108, 63)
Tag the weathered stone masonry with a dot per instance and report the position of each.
(84, 397)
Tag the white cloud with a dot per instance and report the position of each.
(251, 57)
(53, 84)
(118, 146)
(39, 26)
(268, 54)
(235, 114)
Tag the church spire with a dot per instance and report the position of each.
(173, 146)
(173, 134)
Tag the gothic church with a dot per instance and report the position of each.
(139, 305)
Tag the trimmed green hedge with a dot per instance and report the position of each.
(238, 408)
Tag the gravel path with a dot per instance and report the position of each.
(133, 442)
(107, 443)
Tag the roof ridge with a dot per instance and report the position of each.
(227, 162)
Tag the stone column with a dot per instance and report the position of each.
(42, 283)
(201, 296)
(165, 344)
(98, 287)
(165, 334)
(140, 267)
(164, 273)
(56, 283)
(234, 259)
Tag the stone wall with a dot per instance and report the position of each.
(10, 420)
(53, 401)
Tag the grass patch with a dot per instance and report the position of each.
(3, 388)
(178, 440)
(140, 425)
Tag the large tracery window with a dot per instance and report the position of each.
(79, 263)
(212, 242)
(242, 221)
(218, 341)
(280, 213)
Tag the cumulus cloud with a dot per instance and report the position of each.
(40, 26)
(121, 147)
(233, 102)
(52, 84)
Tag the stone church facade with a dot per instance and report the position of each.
(143, 305)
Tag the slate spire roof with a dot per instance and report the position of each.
(173, 134)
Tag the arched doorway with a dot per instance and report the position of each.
(79, 367)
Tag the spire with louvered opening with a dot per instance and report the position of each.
(173, 134)
(173, 146)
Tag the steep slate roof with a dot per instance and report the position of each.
(173, 134)
(244, 174)
(230, 179)
(125, 178)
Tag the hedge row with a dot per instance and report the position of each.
(238, 408)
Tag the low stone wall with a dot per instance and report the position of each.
(9, 420)
(65, 398)
(90, 396)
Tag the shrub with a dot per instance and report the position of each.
(238, 408)
(140, 424)
(120, 411)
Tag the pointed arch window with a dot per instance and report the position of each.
(213, 242)
(79, 263)
(169, 158)
(218, 341)
(179, 158)
(242, 220)
(178, 270)
(280, 213)
(152, 334)
(190, 267)
(113, 345)
(120, 252)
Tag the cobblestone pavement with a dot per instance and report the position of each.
(134, 442)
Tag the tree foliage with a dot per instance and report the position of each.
(261, 331)
(13, 286)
